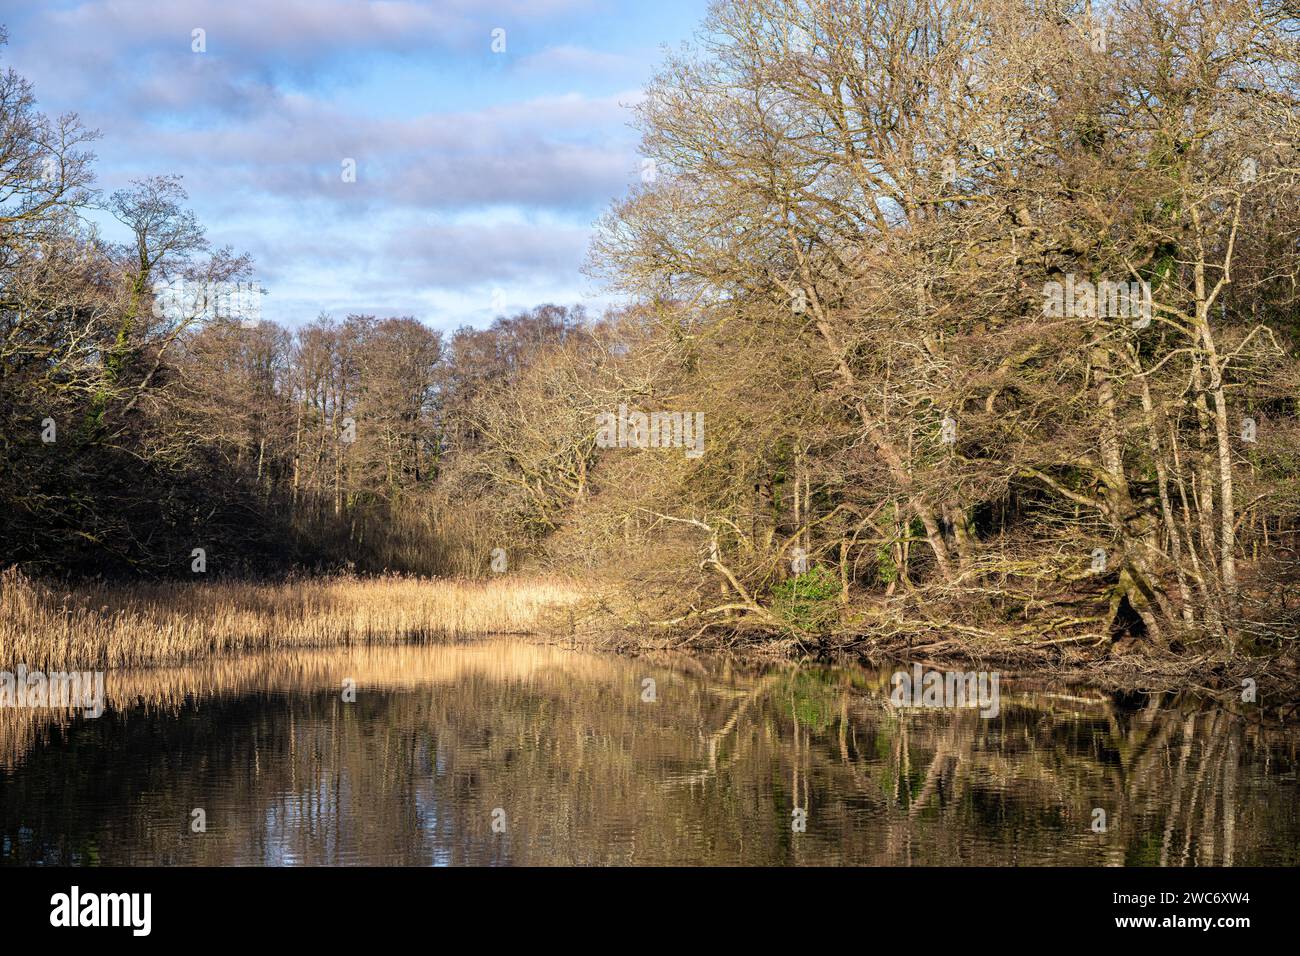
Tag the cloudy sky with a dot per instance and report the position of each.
(477, 172)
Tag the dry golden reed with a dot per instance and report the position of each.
(122, 625)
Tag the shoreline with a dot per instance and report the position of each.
(58, 626)
(1276, 677)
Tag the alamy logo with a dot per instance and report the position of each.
(37, 689)
(944, 689)
(103, 909)
(179, 300)
(1088, 300)
(651, 430)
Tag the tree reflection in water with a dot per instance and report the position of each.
(587, 772)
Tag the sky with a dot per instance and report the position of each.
(479, 172)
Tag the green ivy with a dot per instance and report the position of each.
(809, 601)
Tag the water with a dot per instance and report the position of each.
(502, 752)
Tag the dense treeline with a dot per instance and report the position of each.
(987, 309)
(908, 229)
(146, 411)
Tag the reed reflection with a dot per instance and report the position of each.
(563, 750)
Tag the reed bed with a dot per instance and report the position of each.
(102, 626)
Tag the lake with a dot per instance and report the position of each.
(506, 752)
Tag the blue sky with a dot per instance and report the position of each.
(477, 172)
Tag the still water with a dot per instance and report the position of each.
(503, 752)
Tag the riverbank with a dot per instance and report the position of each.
(876, 634)
(1275, 679)
(101, 625)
